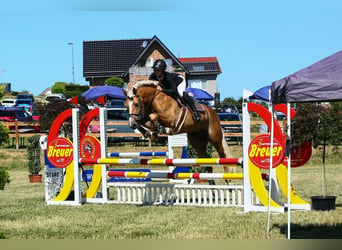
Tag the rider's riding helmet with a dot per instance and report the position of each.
(159, 65)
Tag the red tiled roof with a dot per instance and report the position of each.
(209, 64)
(197, 59)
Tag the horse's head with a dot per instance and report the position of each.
(134, 107)
(135, 102)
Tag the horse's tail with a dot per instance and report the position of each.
(229, 154)
(227, 151)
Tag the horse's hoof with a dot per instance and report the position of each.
(211, 182)
(154, 136)
(161, 129)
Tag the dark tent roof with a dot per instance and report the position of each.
(262, 94)
(96, 92)
(322, 81)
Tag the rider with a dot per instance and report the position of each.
(173, 85)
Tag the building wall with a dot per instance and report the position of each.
(211, 82)
(141, 72)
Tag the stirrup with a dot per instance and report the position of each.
(196, 117)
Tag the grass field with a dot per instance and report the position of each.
(25, 215)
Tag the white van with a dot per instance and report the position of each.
(8, 102)
(50, 97)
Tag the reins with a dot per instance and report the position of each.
(142, 115)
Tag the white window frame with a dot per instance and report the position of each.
(198, 83)
(149, 63)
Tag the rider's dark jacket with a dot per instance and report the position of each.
(169, 83)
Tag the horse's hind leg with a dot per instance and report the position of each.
(223, 151)
(199, 142)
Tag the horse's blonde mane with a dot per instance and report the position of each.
(142, 83)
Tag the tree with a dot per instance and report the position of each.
(70, 90)
(2, 90)
(320, 125)
(49, 111)
(114, 81)
(232, 101)
(58, 87)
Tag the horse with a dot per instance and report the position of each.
(152, 109)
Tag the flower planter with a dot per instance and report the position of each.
(324, 203)
(35, 178)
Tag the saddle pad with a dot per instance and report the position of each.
(199, 107)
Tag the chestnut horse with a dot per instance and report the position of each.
(150, 108)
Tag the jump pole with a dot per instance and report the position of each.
(167, 175)
(137, 154)
(166, 162)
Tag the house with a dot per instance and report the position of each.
(132, 59)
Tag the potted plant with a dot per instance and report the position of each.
(33, 157)
(321, 126)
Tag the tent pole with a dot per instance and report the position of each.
(288, 133)
(270, 170)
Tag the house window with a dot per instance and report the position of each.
(168, 62)
(198, 67)
(149, 63)
(199, 84)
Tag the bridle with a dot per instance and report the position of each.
(142, 116)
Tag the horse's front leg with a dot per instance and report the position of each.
(144, 132)
(154, 119)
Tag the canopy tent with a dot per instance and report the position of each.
(262, 94)
(322, 81)
(200, 94)
(111, 91)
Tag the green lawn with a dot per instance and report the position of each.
(25, 215)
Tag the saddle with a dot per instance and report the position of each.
(182, 103)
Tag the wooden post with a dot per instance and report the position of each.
(16, 134)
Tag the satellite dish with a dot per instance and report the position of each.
(144, 44)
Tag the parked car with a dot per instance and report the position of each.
(25, 96)
(230, 128)
(27, 104)
(280, 116)
(8, 102)
(50, 97)
(10, 114)
(116, 104)
(120, 114)
(35, 115)
(230, 109)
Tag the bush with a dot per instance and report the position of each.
(4, 137)
(33, 154)
(4, 177)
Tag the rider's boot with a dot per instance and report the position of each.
(196, 115)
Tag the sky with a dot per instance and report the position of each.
(256, 42)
